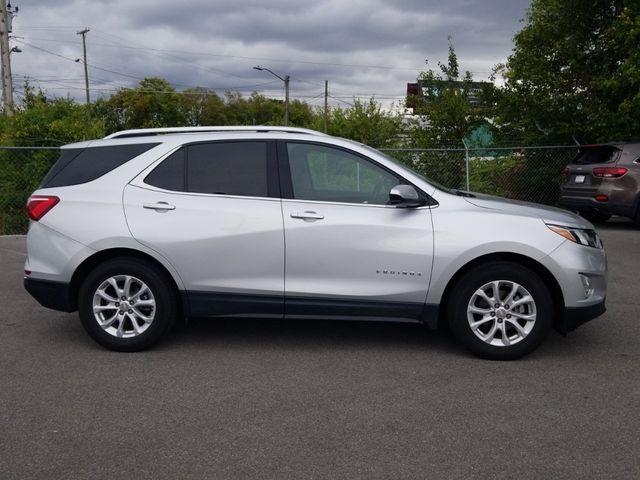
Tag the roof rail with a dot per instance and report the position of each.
(145, 132)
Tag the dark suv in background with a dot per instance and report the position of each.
(603, 180)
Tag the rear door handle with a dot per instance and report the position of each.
(307, 215)
(159, 206)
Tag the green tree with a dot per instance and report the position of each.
(254, 110)
(200, 106)
(447, 113)
(574, 73)
(42, 121)
(301, 114)
(260, 110)
(153, 103)
(366, 122)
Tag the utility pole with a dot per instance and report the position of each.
(326, 104)
(84, 53)
(286, 100)
(5, 53)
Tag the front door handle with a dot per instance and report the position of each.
(307, 215)
(159, 206)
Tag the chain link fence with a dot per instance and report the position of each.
(531, 174)
(21, 171)
(524, 173)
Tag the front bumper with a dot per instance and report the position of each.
(49, 294)
(572, 318)
(570, 263)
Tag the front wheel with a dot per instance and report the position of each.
(126, 304)
(500, 310)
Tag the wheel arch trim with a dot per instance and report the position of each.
(547, 277)
(83, 269)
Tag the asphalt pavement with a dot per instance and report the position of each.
(295, 400)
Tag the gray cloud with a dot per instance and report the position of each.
(362, 47)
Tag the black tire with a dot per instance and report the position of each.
(464, 291)
(164, 312)
(596, 217)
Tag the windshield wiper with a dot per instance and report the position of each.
(463, 193)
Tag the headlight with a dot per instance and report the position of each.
(582, 236)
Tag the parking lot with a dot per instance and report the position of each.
(278, 399)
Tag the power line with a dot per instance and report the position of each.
(165, 53)
(51, 27)
(168, 54)
(342, 101)
(272, 59)
(227, 88)
(74, 60)
(59, 81)
(141, 46)
(96, 66)
(204, 91)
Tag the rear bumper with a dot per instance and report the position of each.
(54, 295)
(589, 204)
(573, 317)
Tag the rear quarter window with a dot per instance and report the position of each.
(82, 165)
(170, 174)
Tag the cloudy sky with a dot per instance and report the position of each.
(362, 47)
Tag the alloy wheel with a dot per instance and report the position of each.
(501, 313)
(124, 306)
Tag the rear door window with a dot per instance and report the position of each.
(228, 168)
(76, 166)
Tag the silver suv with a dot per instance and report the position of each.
(146, 226)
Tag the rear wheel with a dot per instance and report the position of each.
(126, 304)
(500, 310)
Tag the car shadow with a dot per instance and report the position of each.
(233, 334)
(617, 223)
(295, 334)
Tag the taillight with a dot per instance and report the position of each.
(565, 173)
(609, 172)
(39, 205)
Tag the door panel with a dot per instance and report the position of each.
(216, 243)
(359, 252)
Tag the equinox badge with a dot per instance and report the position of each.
(399, 272)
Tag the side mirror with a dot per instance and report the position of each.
(405, 196)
